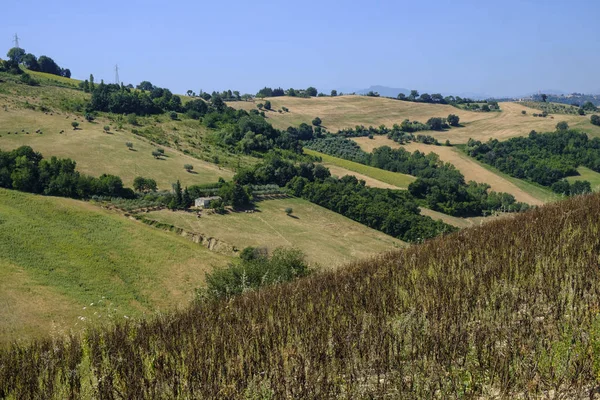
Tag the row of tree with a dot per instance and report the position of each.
(542, 158)
(19, 56)
(393, 212)
(270, 92)
(26, 170)
(440, 185)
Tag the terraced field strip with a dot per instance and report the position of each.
(392, 178)
(470, 168)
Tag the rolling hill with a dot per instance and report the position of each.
(506, 310)
(349, 111)
(58, 256)
(327, 238)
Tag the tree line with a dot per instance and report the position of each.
(18, 56)
(26, 170)
(393, 212)
(543, 158)
(439, 186)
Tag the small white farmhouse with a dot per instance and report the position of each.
(203, 202)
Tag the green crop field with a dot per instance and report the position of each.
(586, 174)
(392, 178)
(326, 238)
(58, 256)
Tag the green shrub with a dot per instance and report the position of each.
(284, 265)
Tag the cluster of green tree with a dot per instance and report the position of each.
(18, 56)
(250, 133)
(566, 188)
(542, 158)
(254, 270)
(407, 126)
(120, 99)
(439, 184)
(270, 92)
(26, 170)
(437, 98)
(393, 212)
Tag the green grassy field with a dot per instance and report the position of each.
(58, 256)
(392, 178)
(586, 174)
(326, 238)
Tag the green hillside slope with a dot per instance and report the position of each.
(58, 256)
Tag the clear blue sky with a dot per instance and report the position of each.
(498, 48)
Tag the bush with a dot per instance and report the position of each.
(156, 154)
(562, 126)
(129, 145)
(453, 119)
(523, 112)
(267, 105)
(317, 121)
(132, 119)
(255, 271)
(595, 120)
(106, 128)
(28, 80)
(75, 125)
(173, 115)
(188, 167)
(289, 210)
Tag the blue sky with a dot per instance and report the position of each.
(497, 48)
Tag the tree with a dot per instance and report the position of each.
(413, 94)
(92, 87)
(595, 120)
(145, 185)
(186, 198)
(289, 211)
(106, 128)
(15, 54)
(453, 119)
(66, 73)
(75, 125)
(317, 121)
(129, 145)
(544, 97)
(401, 96)
(311, 91)
(267, 105)
(562, 126)
(145, 85)
(189, 92)
(188, 167)
(156, 154)
(485, 108)
(178, 194)
(30, 61)
(334, 93)
(49, 66)
(523, 112)
(260, 106)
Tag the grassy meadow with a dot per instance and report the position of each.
(326, 238)
(58, 256)
(586, 174)
(95, 151)
(505, 310)
(349, 111)
(391, 178)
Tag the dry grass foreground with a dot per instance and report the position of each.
(349, 111)
(327, 238)
(471, 169)
(65, 264)
(97, 152)
(507, 310)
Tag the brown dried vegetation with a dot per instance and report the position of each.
(509, 309)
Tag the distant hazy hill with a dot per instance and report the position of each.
(384, 91)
